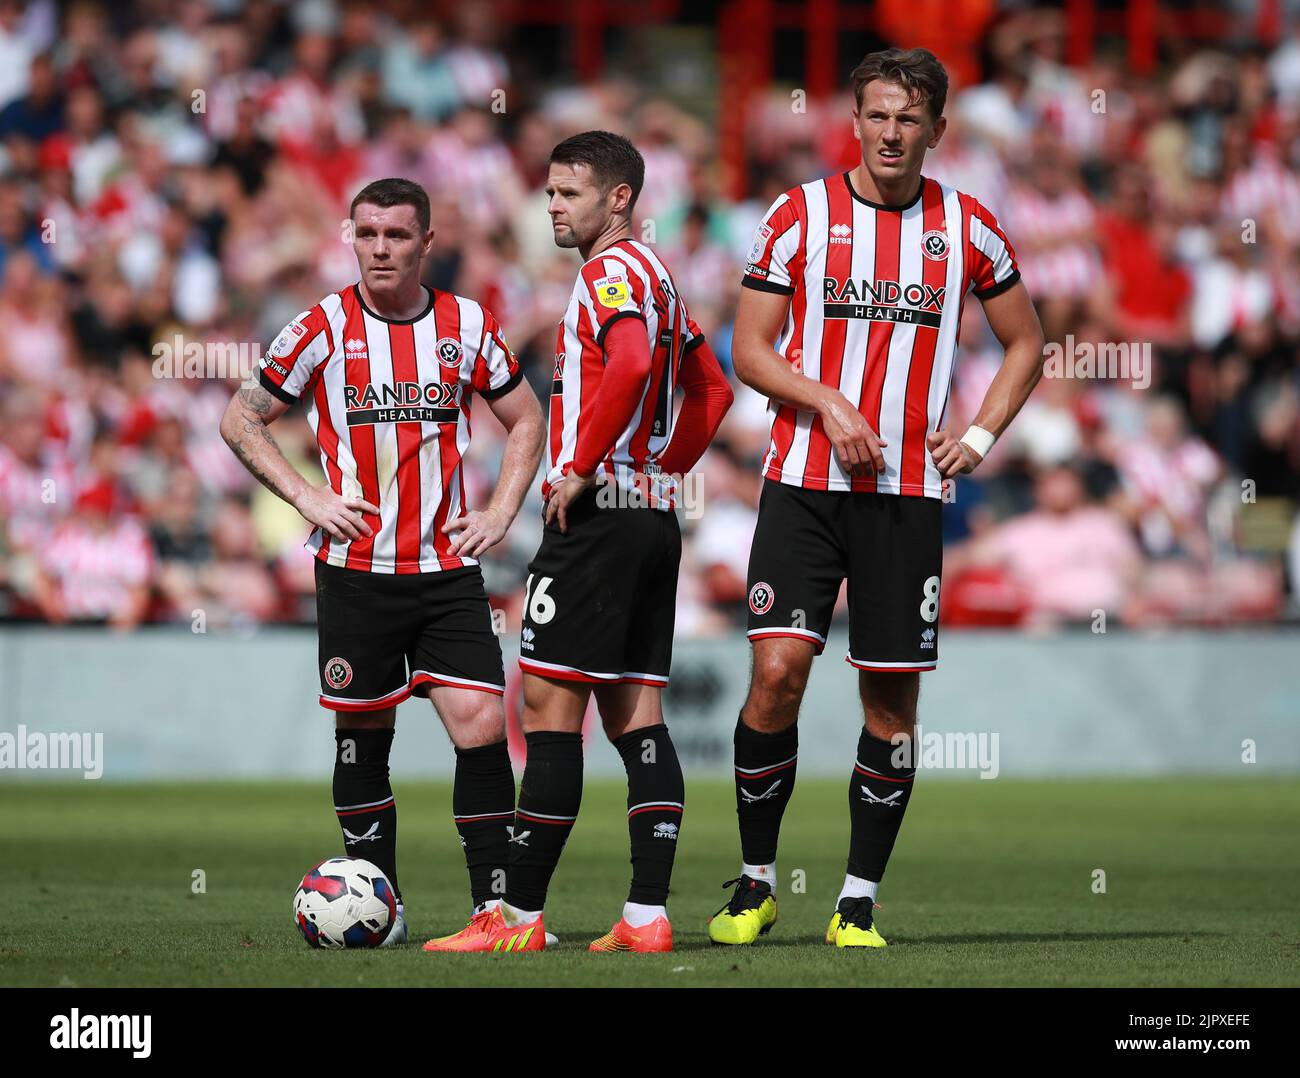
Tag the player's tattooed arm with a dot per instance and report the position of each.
(245, 428)
(256, 399)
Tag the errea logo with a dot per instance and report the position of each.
(841, 233)
(666, 830)
(526, 638)
(354, 348)
(927, 638)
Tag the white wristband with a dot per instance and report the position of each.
(980, 440)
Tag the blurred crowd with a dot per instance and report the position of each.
(174, 182)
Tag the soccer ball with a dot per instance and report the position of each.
(344, 902)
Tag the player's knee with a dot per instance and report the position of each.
(885, 724)
(480, 721)
(617, 725)
(889, 702)
(774, 693)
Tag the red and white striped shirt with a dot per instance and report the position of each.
(876, 294)
(626, 280)
(98, 570)
(34, 498)
(389, 402)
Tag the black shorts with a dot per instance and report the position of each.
(386, 636)
(890, 546)
(601, 600)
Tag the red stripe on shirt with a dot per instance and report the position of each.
(663, 360)
(839, 265)
(888, 239)
(362, 438)
(916, 408)
(326, 436)
(446, 313)
(401, 343)
(784, 423)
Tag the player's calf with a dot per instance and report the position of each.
(656, 794)
(550, 795)
(482, 804)
(363, 797)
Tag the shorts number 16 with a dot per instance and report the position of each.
(539, 606)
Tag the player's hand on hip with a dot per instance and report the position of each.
(856, 445)
(951, 456)
(480, 530)
(340, 517)
(573, 487)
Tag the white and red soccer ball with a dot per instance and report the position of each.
(345, 902)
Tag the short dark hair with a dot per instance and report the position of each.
(395, 192)
(611, 158)
(917, 71)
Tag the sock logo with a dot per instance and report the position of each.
(761, 597)
(338, 673)
(892, 800)
(520, 839)
(769, 792)
(666, 830)
(373, 835)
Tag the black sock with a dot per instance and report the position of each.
(878, 795)
(655, 795)
(550, 793)
(765, 769)
(363, 798)
(483, 804)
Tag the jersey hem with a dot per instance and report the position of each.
(909, 490)
(400, 568)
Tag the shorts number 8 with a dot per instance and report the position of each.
(930, 600)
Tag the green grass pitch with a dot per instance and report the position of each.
(991, 884)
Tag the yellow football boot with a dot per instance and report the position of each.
(851, 926)
(749, 913)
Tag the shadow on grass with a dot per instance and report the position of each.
(806, 940)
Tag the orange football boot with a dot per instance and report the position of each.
(655, 937)
(488, 931)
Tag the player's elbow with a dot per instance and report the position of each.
(227, 426)
(723, 395)
(742, 360)
(232, 422)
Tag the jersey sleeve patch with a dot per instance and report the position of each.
(612, 291)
